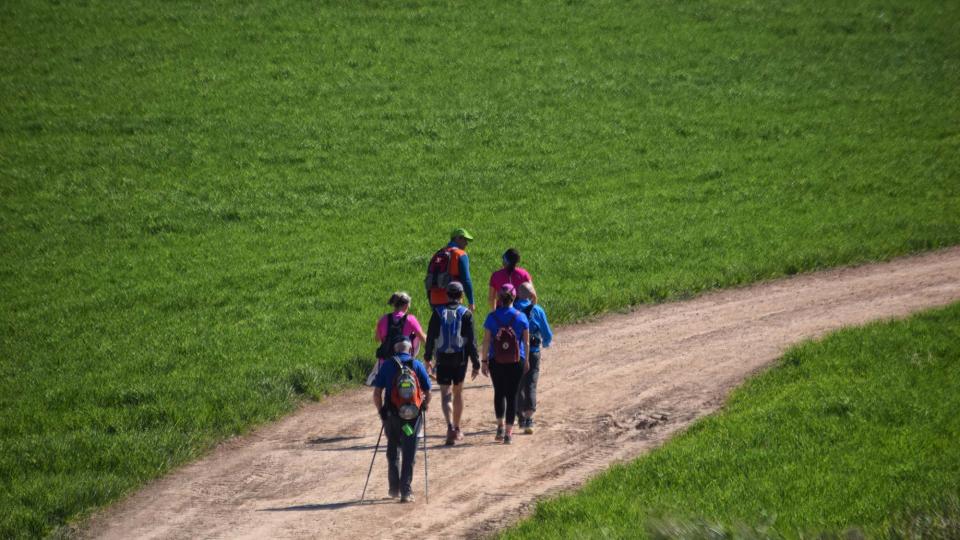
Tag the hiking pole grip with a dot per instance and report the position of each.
(370, 470)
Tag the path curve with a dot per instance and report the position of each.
(652, 372)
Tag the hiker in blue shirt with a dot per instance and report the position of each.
(540, 336)
(401, 421)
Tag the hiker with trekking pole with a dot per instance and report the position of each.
(450, 263)
(540, 336)
(450, 335)
(511, 273)
(401, 394)
(391, 325)
(506, 340)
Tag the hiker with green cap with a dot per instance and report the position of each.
(450, 264)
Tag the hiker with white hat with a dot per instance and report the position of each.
(404, 381)
(541, 336)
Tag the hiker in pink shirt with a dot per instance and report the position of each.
(512, 274)
(397, 323)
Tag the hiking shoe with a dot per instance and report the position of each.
(394, 493)
(451, 437)
(408, 498)
(508, 438)
(499, 436)
(528, 428)
(458, 434)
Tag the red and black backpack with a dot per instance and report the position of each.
(506, 345)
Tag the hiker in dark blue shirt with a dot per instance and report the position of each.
(405, 381)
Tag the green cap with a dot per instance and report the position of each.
(461, 232)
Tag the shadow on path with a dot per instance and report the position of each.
(330, 506)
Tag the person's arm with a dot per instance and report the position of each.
(381, 333)
(470, 341)
(546, 334)
(464, 263)
(526, 349)
(417, 336)
(378, 400)
(485, 361)
(424, 385)
(492, 298)
(433, 330)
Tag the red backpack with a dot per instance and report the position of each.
(506, 347)
(406, 396)
(439, 272)
(444, 267)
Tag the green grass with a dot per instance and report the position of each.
(204, 206)
(856, 432)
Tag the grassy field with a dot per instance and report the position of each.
(857, 432)
(204, 206)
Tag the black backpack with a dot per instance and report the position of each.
(394, 329)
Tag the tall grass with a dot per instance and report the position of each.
(204, 206)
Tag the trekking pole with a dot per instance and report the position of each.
(375, 448)
(426, 475)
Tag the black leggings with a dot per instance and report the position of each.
(506, 381)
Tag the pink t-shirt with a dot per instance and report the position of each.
(411, 327)
(520, 275)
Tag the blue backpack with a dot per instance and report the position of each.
(451, 320)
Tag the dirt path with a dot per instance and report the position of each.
(649, 374)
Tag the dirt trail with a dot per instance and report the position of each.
(649, 373)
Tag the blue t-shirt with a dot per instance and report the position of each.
(389, 370)
(501, 317)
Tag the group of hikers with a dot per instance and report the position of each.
(513, 334)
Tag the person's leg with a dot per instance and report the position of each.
(522, 398)
(458, 377)
(511, 383)
(457, 405)
(393, 457)
(409, 450)
(499, 398)
(528, 389)
(446, 399)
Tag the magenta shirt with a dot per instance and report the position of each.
(498, 278)
(412, 326)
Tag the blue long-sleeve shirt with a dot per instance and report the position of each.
(539, 327)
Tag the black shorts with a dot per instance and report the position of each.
(451, 368)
